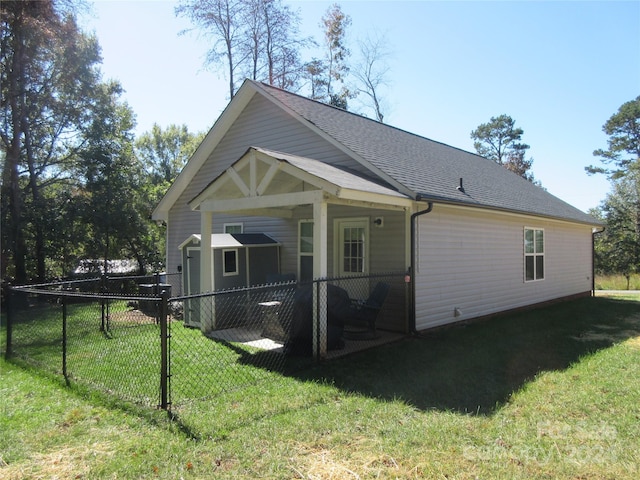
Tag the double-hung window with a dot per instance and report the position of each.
(533, 254)
(305, 250)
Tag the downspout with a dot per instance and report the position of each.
(412, 269)
(594, 232)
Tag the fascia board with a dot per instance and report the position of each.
(509, 213)
(370, 199)
(200, 156)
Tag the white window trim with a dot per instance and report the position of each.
(238, 224)
(534, 254)
(301, 253)
(337, 223)
(224, 262)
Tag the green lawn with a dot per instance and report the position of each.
(124, 358)
(617, 282)
(551, 393)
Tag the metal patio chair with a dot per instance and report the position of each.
(361, 323)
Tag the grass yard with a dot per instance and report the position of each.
(617, 282)
(124, 358)
(551, 393)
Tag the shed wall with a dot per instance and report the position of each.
(473, 260)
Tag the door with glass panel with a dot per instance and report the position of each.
(352, 253)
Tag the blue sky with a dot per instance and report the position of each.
(560, 69)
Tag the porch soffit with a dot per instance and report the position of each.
(264, 179)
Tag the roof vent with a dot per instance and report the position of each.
(460, 187)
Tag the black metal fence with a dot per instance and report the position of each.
(138, 340)
(107, 333)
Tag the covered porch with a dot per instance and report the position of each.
(341, 225)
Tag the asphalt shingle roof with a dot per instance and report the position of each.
(337, 176)
(430, 169)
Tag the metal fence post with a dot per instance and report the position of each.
(103, 289)
(64, 339)
(9, 303)
(164, 350)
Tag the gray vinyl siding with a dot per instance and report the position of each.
(387, 244)
(473, 260)
(260, 124)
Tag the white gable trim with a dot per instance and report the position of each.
(200, 156)
(251, 191)
(338, 187)
(392, 181)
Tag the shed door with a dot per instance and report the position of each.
(192, 307)
(193, 271)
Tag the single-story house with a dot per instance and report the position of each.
(474, 238)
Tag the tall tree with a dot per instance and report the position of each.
(70, 180)
(325, 75)
(617, 249)
(371, 72)
(499, 140)
(272, 43)
(623, 129)
(315, 72)
(282, 45)
(23, 34)
(258, 39)
(336, 24)
(163, 152)
(48, 73)
(221, 21)
(116, 208)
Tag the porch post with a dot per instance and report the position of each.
(320, 259)
(206, 274)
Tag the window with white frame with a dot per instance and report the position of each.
(533, 254)
(233, 228)
(305, 250)
(230, 262)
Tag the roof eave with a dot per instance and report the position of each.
(448, 201)
(208, 144)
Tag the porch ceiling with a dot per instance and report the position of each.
(273, 183)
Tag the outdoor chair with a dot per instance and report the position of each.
(361, 323)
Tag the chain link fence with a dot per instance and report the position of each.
(111, 342)
(134, 338)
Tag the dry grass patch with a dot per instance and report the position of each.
(634, 342)
(64, 463)
(321, 463)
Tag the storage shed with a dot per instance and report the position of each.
(239, 259)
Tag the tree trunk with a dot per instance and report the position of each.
(11, 182)
(38, 205)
